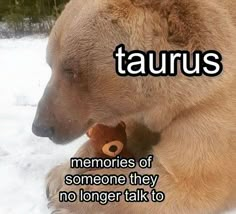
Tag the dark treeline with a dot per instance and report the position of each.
(25, 17)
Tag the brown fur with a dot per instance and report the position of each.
(196, 116)
(101, 136)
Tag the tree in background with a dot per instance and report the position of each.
(30, 16)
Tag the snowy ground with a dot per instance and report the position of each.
(24, 158)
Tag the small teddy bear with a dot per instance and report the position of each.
(109, 142)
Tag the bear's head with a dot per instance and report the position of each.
(108, 141)
(85, 89)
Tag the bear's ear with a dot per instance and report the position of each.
(122, 124)
(89, 132)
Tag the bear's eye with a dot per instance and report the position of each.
(67, 68)
(70, 73)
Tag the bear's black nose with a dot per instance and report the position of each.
(42, 131)
(113, 148)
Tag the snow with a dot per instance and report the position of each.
(24, 158)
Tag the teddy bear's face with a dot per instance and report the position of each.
(108, 141)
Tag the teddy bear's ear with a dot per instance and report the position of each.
(122, 124)
(89, 132)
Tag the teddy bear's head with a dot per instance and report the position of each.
(108, 141)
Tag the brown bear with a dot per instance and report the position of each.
(195, 116)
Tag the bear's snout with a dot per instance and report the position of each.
(42, 125)
(42, 130)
